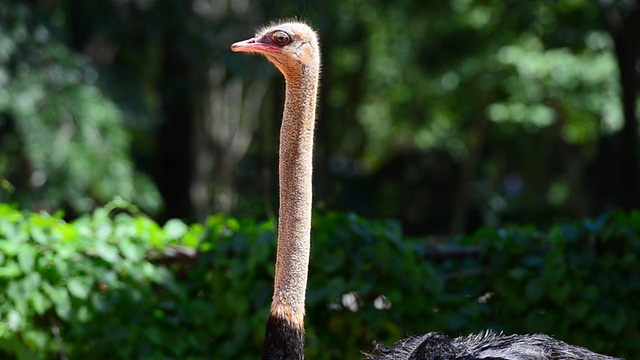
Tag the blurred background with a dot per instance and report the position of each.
(446, 115)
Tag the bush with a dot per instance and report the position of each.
(118, 286)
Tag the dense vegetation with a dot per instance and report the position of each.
(118, 286)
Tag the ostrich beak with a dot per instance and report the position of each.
(253, 45)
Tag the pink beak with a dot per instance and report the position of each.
(253, 45)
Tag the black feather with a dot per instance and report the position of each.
(283, 340)
(483, 346)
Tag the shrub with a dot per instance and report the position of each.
(111, 285)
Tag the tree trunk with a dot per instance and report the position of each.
(625, 31)
(230, 114)
(174, 161)
(462, 199)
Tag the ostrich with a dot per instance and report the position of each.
(292, 47)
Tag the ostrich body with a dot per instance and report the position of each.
(293, 48)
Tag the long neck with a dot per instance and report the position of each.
(285, 328)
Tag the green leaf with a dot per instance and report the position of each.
(35, 339)
(175, 229)
(104, 231)
(32, 282)
(79, 287)
(62, 302)
(518, 273)
(14, 320)
(107, 252)
(561, 292)
(38, 235)
(130, 250)
(569, 232)
(26, 258)
(579, 310)
(4, 330)
(596, 225)
(614, 323)
(10, 270)
(39, 302)
(534, 291)
(192, 237)
(10, 247)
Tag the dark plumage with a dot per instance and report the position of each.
(283, 340)
(485, 346)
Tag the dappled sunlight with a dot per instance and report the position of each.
(141, 163)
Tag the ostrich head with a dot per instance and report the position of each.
(291, 46)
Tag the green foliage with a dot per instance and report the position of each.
(55, 119)
(575, 281)
(579, 89)
(426, 72)
(118, 286)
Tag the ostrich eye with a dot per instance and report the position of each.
(281, 38)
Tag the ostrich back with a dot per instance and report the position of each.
(484, 346)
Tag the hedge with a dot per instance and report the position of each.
(117, 285)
